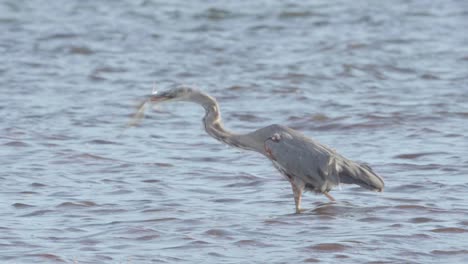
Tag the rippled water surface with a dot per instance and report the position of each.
(384, 82)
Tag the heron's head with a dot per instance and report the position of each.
(180, 93)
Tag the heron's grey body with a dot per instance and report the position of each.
(307, 164)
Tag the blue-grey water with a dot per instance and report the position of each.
(385, 82)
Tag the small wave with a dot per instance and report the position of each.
(248, 117)
(428, 76)
(215, 14)
(38, 213)
(250, 243)
(244, 184)
(411, 207)
(393, 68)
(409, 187)
(289, 14)
(449, 230)
(60, 36)
(417, 155)
(449, 252)
(319, 117)
(311, 260)
(334, 247)
(120, 192)
(148, 237)
(21, 205)
(48, 257)
(80, 50)
(151, 181)
(76, 204)
(88, 156)
(37, 185)
(419, 220)
(102, 142)
(158, 164)
(219, 233)
(226, 200)
(372, 219)
(108, 211)
(16, 144)
(415, 167)
(237, 88)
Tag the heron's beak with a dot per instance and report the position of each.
(154, 98)
(157, 98)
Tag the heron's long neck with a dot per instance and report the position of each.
(214, 126)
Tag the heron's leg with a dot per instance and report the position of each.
(329, 197)
(297, 197)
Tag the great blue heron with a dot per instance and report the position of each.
(306, 164)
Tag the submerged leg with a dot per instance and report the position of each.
(297, 197)
(329, 197)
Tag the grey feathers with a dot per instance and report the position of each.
(316, 165)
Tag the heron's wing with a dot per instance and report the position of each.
(301, 158)
(318, 166)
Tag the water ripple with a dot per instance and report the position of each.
(382, 82)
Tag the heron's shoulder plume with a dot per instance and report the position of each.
(360, 174)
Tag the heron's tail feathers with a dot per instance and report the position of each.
(362, 175)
